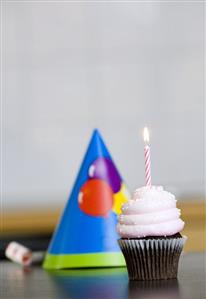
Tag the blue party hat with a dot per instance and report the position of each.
(86, 235)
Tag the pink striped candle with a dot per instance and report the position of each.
(147, 158)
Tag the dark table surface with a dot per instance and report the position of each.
(109, 283)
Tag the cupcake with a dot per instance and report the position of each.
(150, 227)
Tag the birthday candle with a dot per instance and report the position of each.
(147, 158)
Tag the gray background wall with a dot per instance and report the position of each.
(70, 67)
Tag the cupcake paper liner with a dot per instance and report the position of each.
(149, 259)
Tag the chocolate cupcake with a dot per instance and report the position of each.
(150, 227)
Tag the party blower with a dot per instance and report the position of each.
(86, 235)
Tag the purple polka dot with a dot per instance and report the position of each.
(105, 169)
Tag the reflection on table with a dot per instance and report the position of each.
(110, 284)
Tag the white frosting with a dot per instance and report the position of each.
(151, 212)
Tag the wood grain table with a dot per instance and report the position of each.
(108, 283)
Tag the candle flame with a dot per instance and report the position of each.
(146, 135)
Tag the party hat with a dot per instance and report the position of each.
(86, 235)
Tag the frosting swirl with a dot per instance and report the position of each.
(152, 211)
